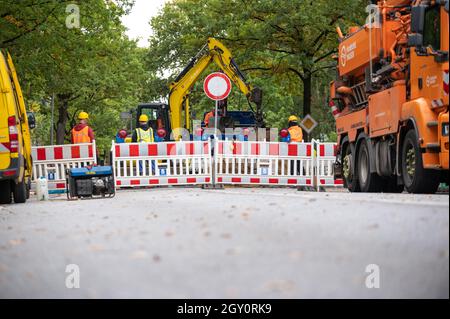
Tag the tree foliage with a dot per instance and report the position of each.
(95, 68)
(285, 46)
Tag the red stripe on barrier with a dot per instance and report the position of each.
(207, 180)
(308, 150)
(191, 180)
(220, 150)
(90, 151)
(308, 182)
(118, 183)
(322, 182)
(75, 150)
(292, 150)
(190, 149)
(255, 180)
(322, 150)
(292, 181)
(274, 149)
(220, 179)
(135, 182)
(134, 150)
(172, 181)
(152, 150)
(206, 148)
(273, 180)
(171, 149)
(236, 180)
(153, 182)
(237, 148)
(58, 153)
(339, 182)
(255, 149)
(41, 154)
(60, 185)
(117, 151)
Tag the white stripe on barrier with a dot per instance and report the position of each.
(165, 163)
(52, 162)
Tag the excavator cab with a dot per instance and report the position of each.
(158, 117)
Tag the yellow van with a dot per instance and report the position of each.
(15, 140)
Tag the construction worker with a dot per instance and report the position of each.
(82, 133)
(209, 115)
(295, 131)
(295, 136)
(144, 133)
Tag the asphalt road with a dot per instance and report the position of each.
(232, 243)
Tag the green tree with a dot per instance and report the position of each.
(287, 44)
(94, 68)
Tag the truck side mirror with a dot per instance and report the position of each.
(31, 120)
(415, 40)
(418, 18)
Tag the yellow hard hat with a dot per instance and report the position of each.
(83, 116)
(143, 118)
(293, 118)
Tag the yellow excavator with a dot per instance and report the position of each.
(177, 115)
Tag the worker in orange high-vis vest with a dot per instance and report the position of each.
(295, 131)
(295, 136)
(82, 133)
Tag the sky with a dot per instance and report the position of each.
(138, 20)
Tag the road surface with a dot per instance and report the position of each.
(232, 243)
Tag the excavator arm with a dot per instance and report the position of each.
(213, 51)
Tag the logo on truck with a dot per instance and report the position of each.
(347, 53)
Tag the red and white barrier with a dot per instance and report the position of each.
(324, 165)
(52, 161)
(263, 163)
(162, 164)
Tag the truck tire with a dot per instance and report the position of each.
(368, 182)
(347, 167)
(5, 192)
(416, 178)
(20, 193)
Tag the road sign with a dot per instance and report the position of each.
(308, 124)
(217, 86)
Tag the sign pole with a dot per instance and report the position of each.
(215, 119)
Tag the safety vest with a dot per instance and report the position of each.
(81, 136)
(207, 117)
(145, 136)
(296, 133)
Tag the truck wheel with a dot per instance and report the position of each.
(347, 167)
(20, 193)
(368, 182)
(416, 178)
(5, 192)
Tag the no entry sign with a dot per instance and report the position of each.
(217, 86)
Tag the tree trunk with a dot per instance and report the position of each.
(63, 104)
(307, 93)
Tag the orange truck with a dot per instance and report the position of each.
(390, 99)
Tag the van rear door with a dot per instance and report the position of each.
(5, 99)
